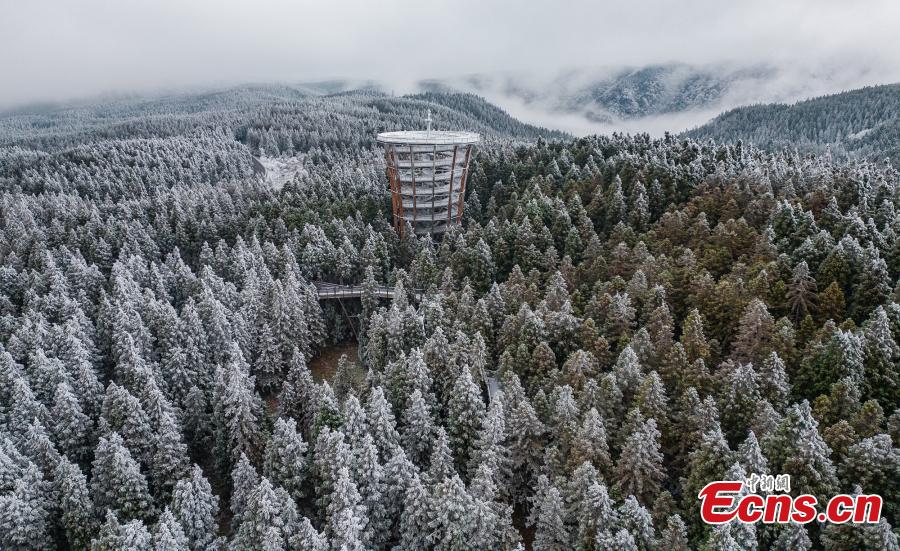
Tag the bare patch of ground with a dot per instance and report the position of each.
(324, 366)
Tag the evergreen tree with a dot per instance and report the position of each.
(797, 449)
(674, 535)
(307, 538)
(881, 358)
(693, 338)
(773, 381)
(801, 293)
(196, 508)
(548, 519)
(792, 537)
(418, 428)
(346, 515)
(244, 480)
(709, 461)
(78, 518)
(639, 469)
(753, 342)
(368, 474)
(440, 464)
(298, 393)
(637, 521)
(416, 517)
(24, 522)
(123, 413)
(490, 446)
(170, 458)
(168, 535)
(465, 413)
(239, 410)
(117, 483)
(453, 522)
(382, 425)
(590, 443)
(70, 429)
(285, 459)
(114, 536)
(269, 519)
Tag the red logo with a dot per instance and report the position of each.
(723, 501)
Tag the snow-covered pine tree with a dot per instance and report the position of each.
(168, 535)
(196, 508)
(117, 483)
(78, 517)
(24, 520)
(639, 470)
(417, 428)
(465, 414)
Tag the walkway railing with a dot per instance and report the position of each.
(329, 291)
(491, 383)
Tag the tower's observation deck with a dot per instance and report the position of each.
(427, 170)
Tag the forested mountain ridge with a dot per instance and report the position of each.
(678, 93)
(192, 138)
(662, 312)
(863, 123)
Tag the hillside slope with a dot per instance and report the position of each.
(859, 123)
(210, 137)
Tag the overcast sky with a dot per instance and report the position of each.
(74, 48)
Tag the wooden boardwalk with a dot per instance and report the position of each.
(334, 291)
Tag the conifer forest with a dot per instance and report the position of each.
(658, 313)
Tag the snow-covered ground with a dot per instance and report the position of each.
(281, 170)
(859, 135)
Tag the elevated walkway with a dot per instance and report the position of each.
(335, 291)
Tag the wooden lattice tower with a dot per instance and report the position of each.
(427, 171)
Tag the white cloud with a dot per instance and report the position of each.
(58, 48)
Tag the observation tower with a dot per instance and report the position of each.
(427, 171)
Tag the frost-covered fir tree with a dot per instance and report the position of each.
(168, 535)
(24, 521)
(382, 424)
(298, 393)
(114, 536)
(416, 517)
(548, 519)
(70, 428)
(590, 443)
(269, 519)
(78, 517)
(196, 508)
(117, 483)
(417, 428)
(465, 414)
(368, 474)
(346, 516)
(238, 410)
(639, 469)
(244, 480)
(796, 448)
(285, 459)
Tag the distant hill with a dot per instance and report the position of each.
(859, 123)
(607, 95)
(285, 118)
(487, 114)
(681, 95)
